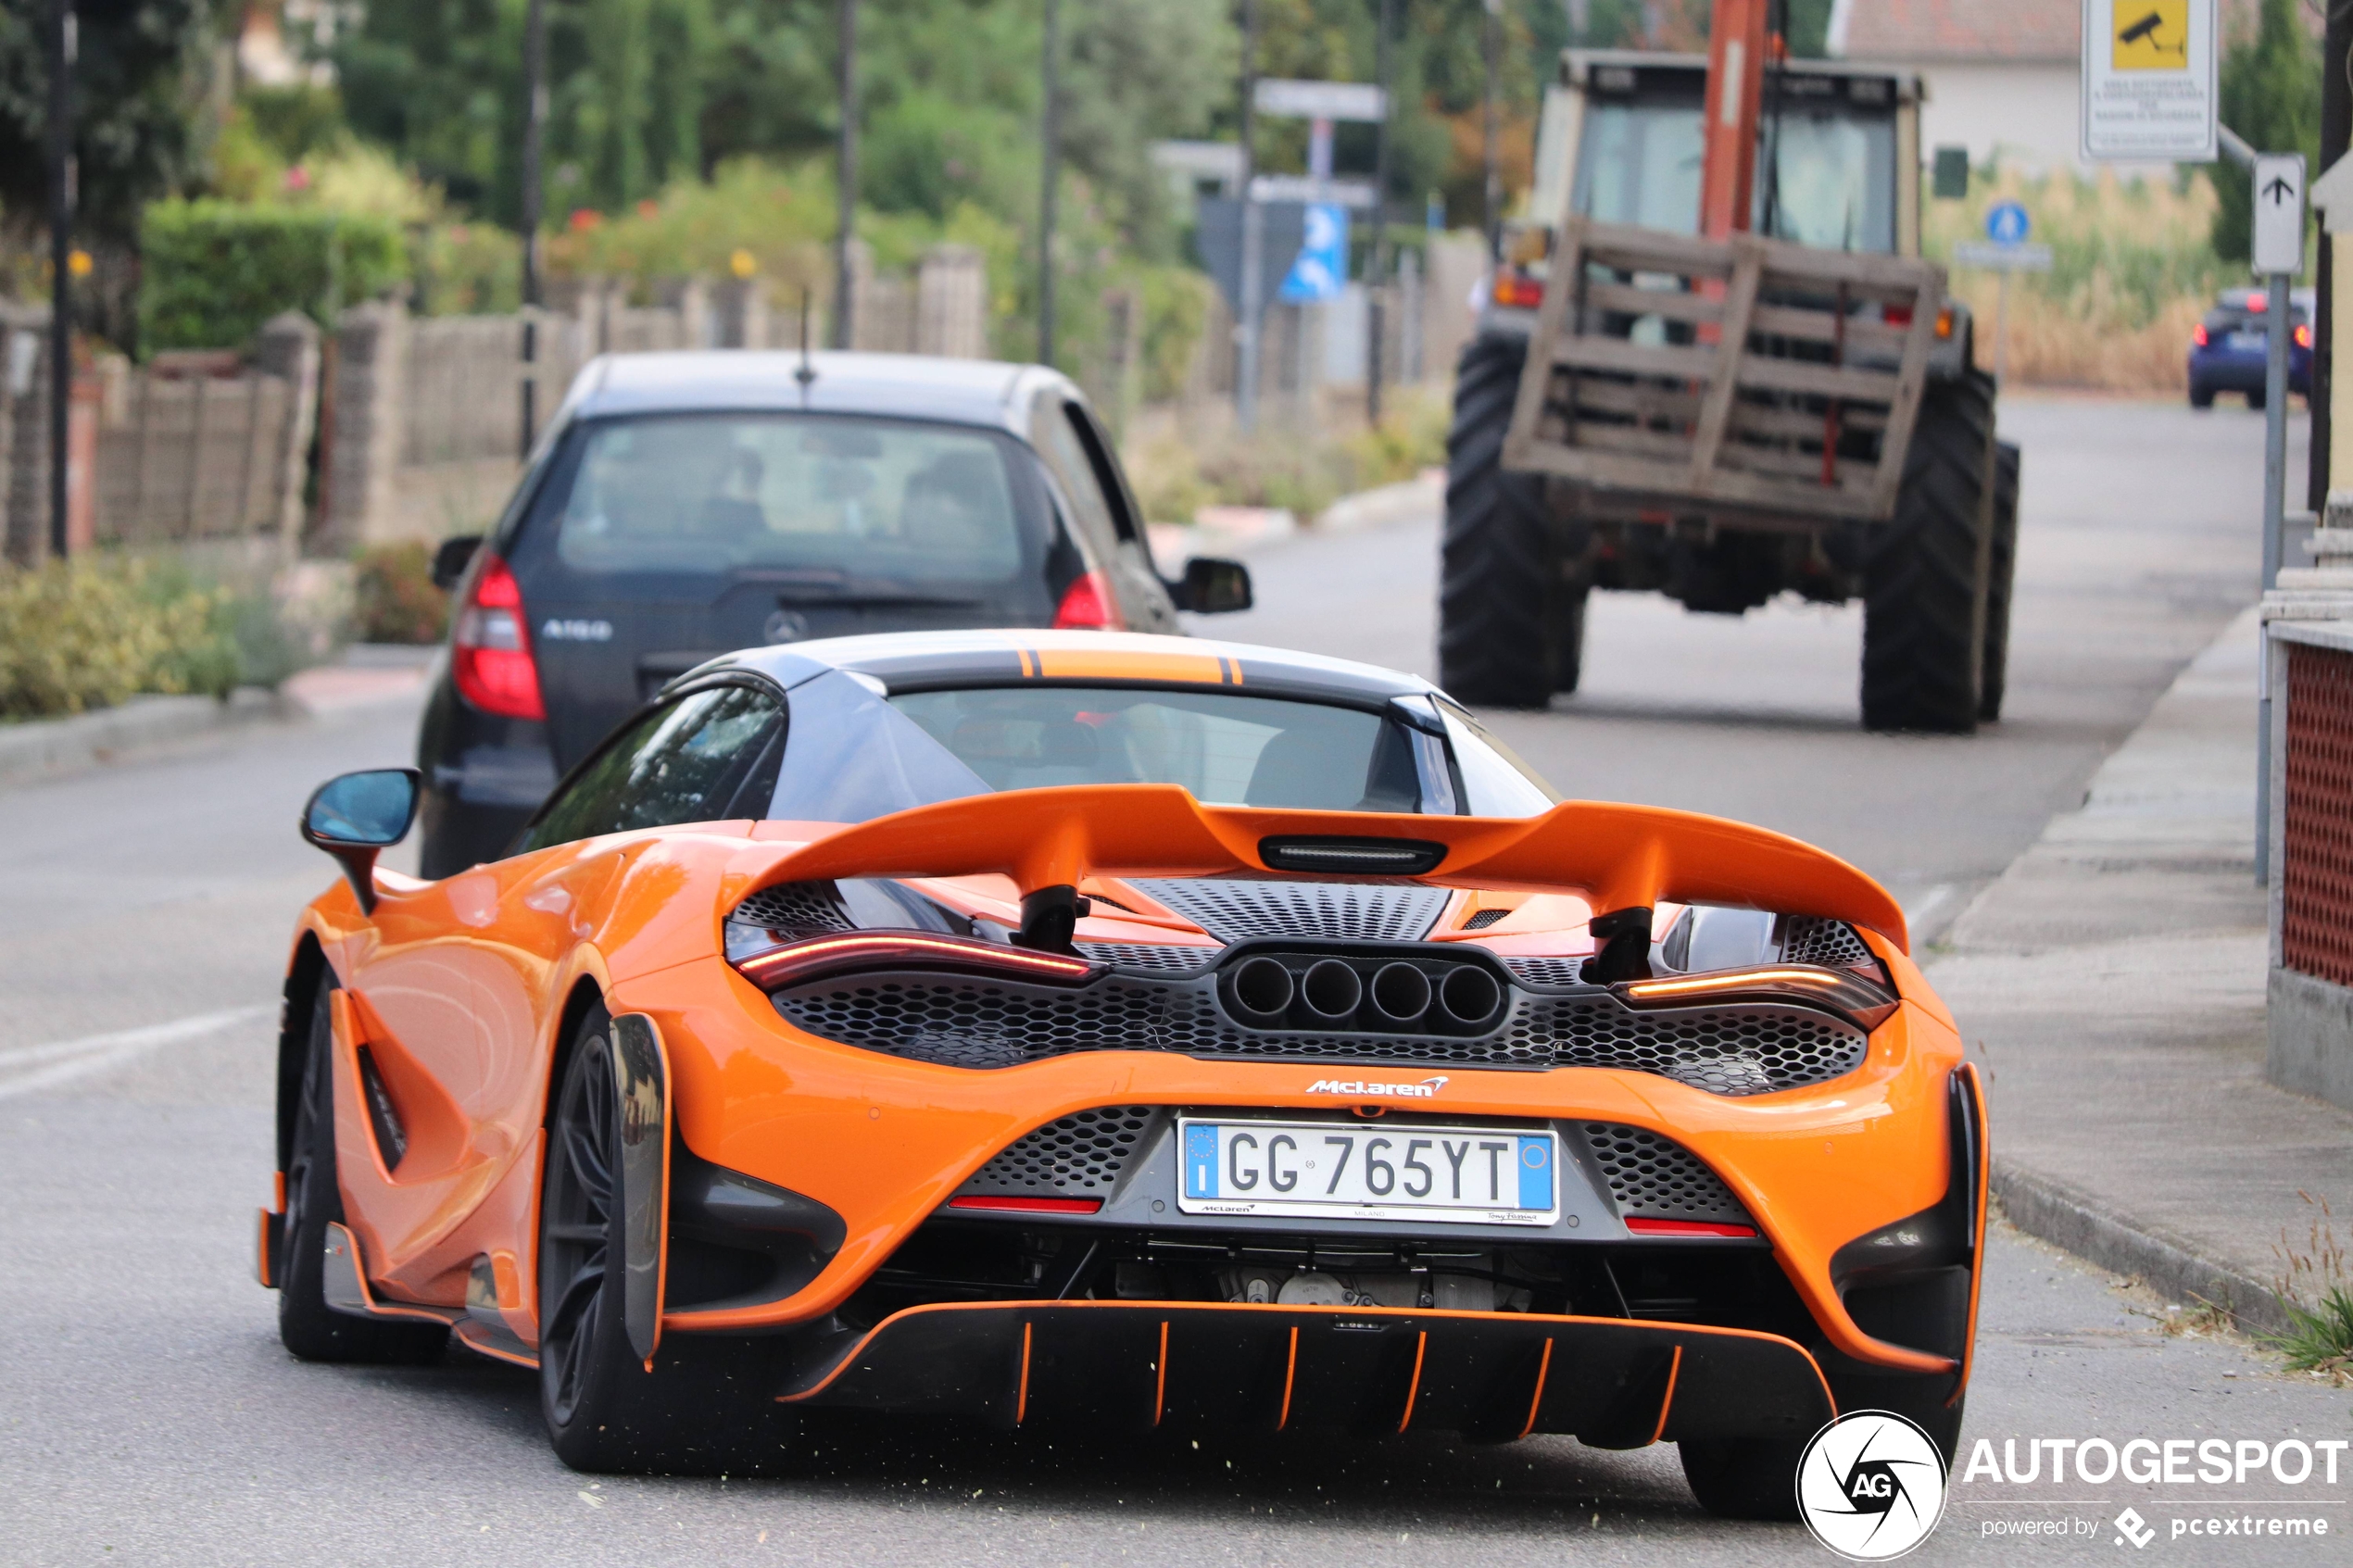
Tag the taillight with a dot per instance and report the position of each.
(1897, 315)
(1637, 1226)
(490, 647)
(2197, 335)
(1835, 991)
(817, 958)
(1009, 1204)
(1517, 290)
(1087, 606)
(2303, 336)
(2258, 303)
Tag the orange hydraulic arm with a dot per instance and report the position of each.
(1736, 45)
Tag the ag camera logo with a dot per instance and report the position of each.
(1870, 1486)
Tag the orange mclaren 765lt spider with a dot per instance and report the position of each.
(1153, 1031)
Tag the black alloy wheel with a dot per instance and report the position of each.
(707, 1406)
(307, 1325)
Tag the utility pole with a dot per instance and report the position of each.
(1491, 46)
(1253, 237)
(63, 48)
(846, 176)
(1376, 324)
(534, 123)
(1050, 155)
(2336, 135)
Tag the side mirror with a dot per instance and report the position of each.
(1212, 587)
(449, 562)
(357, 817)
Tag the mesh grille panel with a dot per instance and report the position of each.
(1233, 909)
(1548, 971)
(968, 1022)
(1747, 1050)
(1831, 942)
(1482, 919)
(2316, 864)
(1658, 1177)
(1148, 954)
(1084, 1153)
(795, 906)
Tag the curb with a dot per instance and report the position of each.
(2054, 1212)
(51, 748)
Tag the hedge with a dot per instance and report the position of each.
(213, 272)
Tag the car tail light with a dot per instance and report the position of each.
(2197, 335)
(1518, 291)
(1897, 315)
(1636, 1226)
(2258, 303)
(1838, 991)
(1944, 323)
(490, 649)
(1088, 606)
(818, 958)
(2303, 336)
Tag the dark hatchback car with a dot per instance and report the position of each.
(2228, 348)
(682, 506)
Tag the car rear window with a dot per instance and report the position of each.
(819, 495)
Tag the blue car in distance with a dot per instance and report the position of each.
(2227, 347)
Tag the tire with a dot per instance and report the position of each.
(1510, 632)
(2256, 398)
(1924, 637)
(2201, 396)
(1743, 1477)
(307, 1325)
(1994, 682)
(707, 1407)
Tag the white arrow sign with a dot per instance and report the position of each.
(2279, 213)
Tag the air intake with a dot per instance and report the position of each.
(1233, 909)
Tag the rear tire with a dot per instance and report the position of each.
(2255, 400)
(1743, 1477)
(1924, 637)
(1510, 631)
(307, 1325)
(1994, 682)
(708, 1406)
(2201, 396)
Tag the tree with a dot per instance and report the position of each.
(139, 87)
(2271, 96)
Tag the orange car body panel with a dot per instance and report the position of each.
(463, 984)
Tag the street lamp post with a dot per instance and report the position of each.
(534, 121)
(1491, 43)
(1049, 155)
(1254, 238)
(846, 176)
(62, 52)
(1376, 324)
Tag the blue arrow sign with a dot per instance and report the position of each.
(2007, 224)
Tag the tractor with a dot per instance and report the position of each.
(1711, 363)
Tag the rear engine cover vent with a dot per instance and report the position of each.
(1657, 1177)
(1166, 960)
(1833, 944)
(1484, 918)
(1079, 1155)
(1233, 909)
(1742, 1050)
(795, 906)
(1547, 972)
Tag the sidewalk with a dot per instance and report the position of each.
(2111, 982)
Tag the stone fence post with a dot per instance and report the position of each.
(951, 304)
(366, 419)
(739, 309)
(288, 346)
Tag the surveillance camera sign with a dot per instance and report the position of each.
(2149, 92)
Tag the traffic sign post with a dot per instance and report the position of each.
(2278, 255)
(2007, 225)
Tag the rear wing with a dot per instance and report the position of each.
(1616, 857)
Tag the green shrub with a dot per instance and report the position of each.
(396, 601)
(213, 272)
(91, 633)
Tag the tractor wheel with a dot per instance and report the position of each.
(1923, 629)
(1993, 685)
(1510, 631)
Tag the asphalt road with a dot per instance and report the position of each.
(147, 1414)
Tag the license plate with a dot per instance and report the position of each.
(2250, 343)
(1452, 1176)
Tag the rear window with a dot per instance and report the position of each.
(820, 496)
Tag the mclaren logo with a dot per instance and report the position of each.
(1358, 1089)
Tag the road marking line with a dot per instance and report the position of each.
(68, 1059)
(1927, 904)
